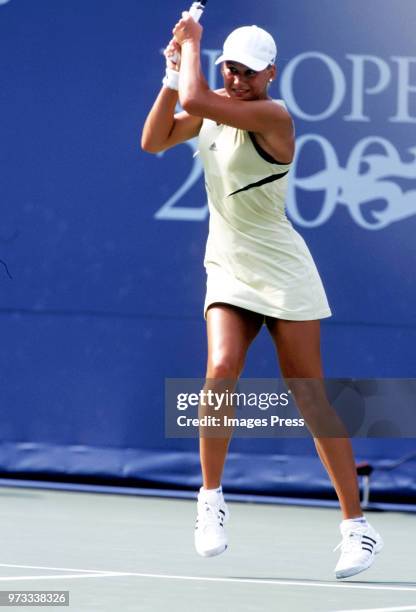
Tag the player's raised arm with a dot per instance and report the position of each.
(163, 127)
(242, 83)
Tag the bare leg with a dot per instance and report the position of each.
(298, 347)
(230, 331)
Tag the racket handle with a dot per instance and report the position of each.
(195, 12)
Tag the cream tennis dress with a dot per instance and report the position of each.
(254, 258)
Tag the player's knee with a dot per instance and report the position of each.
(224, 366)
(309, 396)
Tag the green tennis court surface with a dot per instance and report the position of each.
(120, 553)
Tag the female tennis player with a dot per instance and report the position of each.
(259, 269)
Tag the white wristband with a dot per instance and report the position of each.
(171, 79)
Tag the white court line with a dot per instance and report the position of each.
(340, 585)
(59, 576)
(401, 609)
(325, 585)
(57, 569)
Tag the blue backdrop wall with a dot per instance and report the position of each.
(101, 279)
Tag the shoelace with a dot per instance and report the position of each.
(350, 540)
(209, 514)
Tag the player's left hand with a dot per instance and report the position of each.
(187, 30)
(172, 54)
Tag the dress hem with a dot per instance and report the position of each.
(276, 314)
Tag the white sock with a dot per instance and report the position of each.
(360, 520)
(210, 495)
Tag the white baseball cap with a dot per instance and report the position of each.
(251, 46)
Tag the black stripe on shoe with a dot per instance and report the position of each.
(222, 511)
(368, 538)
(370, 550)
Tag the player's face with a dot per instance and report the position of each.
(242, 82)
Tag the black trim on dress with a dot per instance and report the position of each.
(268, 179)
(266, 156)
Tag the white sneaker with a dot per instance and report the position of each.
(210, 536)
(359, 546)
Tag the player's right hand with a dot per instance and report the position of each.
(172, 54)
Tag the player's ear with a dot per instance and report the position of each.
(272, 72)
